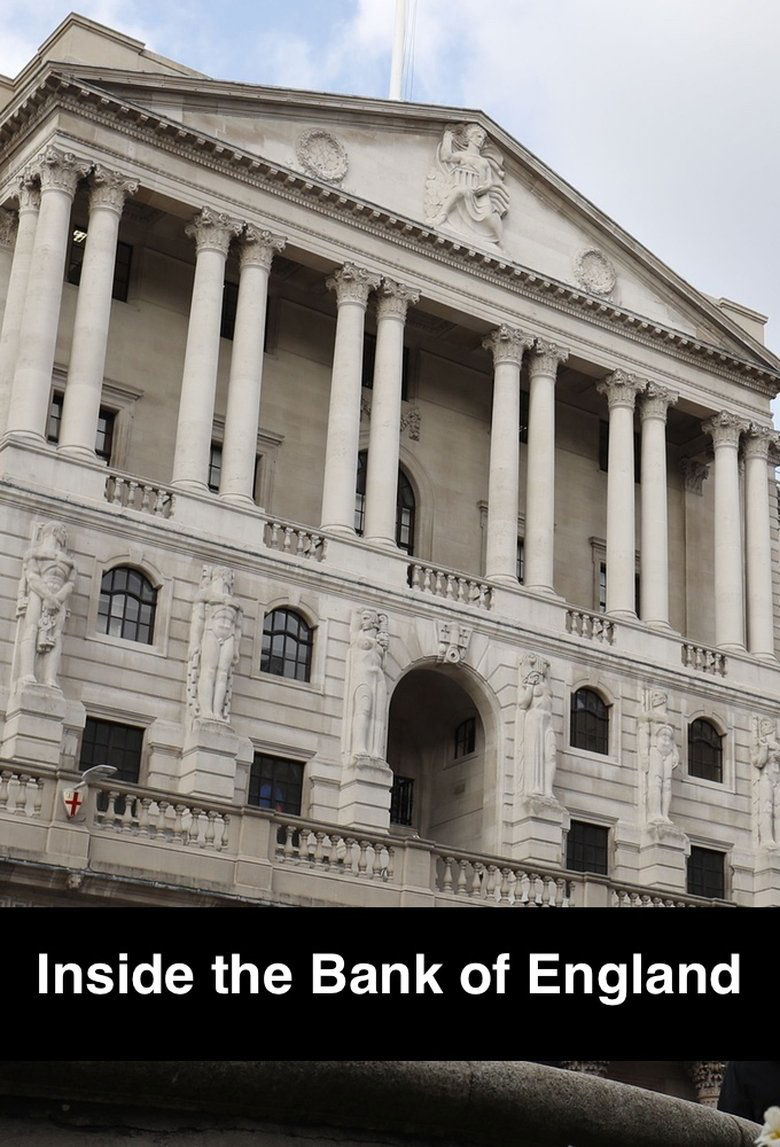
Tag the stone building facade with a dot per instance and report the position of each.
(382, 524)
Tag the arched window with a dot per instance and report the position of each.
(705, 750)
(405, 505)
(287, 645)
(589, 726)
(128, 601)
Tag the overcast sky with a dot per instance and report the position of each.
(665, 113)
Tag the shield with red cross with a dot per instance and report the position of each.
(73, 799)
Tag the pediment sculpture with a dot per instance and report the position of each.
(465, 191)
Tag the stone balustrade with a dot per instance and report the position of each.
(467, 877)
(174, 820)
(20, 793)
(632, 898)
(336, 852)
(449, 584)
(295, 540)
(135, 494)
(595, 626)
(704, 659)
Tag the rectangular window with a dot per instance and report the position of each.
(587, 848)
(104, 439)
(603, 589)
(466, 737)
(109, 743)
(55, 419)
(706, 873)
(276, 783)
(524, 415)
(402, 800)
(369, 357)
(604, 450)
(520, 560)
(229, 306)
(215, 467)
(124, 255)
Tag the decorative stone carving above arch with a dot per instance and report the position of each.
(595, 272)
(322, 155)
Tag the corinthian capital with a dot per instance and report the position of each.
(546, 357)
(110, 189)
(507, 344)
(258, 247)
(724, 429)
(28, 191)
(61, 170)
(657, 400)
(394, 300)
(212, 230)
(8, 223)
(758, 441)
(352, 284)
(621, 388)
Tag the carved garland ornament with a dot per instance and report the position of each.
(322, 155)
(594, 271)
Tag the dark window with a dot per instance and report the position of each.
(706, 873)
(603, 588)
(229, 305)
(402, 800)
(705, 750)
(604, 450)
(369, 358)
(520, 560)
(276, 783)
(406, 506)
(55, 419)
(128, 601)
(523, 415)
(108, 743)
(287, 645)
(124, 254)
(215, 467)
(104, 439)
(587, 847)
(466, 737)
(589, 722)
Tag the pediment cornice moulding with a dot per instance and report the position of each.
(58, 90)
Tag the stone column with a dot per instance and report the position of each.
(29, 196)
(383, 449)
(242, 417)
(93, 313)
(760, 620)
(654, 525)
(507, 345)
(725, 430)
(540, 484)
(352, 285)
(620, 390)
(212, 232)
(60, 173)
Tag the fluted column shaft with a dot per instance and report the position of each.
(539, 550)
(621, 390)
(212, 232)
(352, 285)
(383, 444)
(242, 417)
(725, 430)
(29, 196)
(654, 521)
(507, 345)
(29, 407)
(758, 538)
(93, 313)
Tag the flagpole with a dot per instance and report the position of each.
(397, 65)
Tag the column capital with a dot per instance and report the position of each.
(621, 388)
(28, 191)
(61, 170)
(8, 225)
(258, 247)
(394, 299)
(212, 230)
(724, 429)
(110, 189)
(758, 440)
(547, 357)
(656, 401)
(352, 284)
(507, 344)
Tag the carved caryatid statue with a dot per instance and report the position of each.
(537, 751)
(215, 637)
(658, 757)
(366, 717)
(765, 759)
(48, 579)
(465, 187)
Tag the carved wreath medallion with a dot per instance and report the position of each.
(595, 272)
(322, 155)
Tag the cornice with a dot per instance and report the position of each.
(57, 89)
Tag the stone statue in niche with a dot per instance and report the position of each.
(215, 638)
(537, 751)
(658, 756)
(465, 187)
(48, 579)
(366, 724)
(765, 759)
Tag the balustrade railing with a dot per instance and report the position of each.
(20, 793)
(296, 540)
(175, 820)
(134, 494)
(449, 584)
(704, 659)
(338, 852)
(635, 898)
(494, 882)
(595, 626)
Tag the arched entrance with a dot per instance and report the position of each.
(438, 750)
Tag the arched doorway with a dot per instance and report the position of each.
(438, 750)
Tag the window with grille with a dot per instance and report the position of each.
(124, 255)
(369, 358)
(706, 873)
(587, 847)
(589, 725)
(705, 750)
(520, 560)
(128, 602)
(55, 418)
(287, 645)
(402, 800)
(109, 743)
(215, 467)
(276, 783)
(405, 507)
(466, 737)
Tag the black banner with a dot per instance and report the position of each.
(336, 983)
